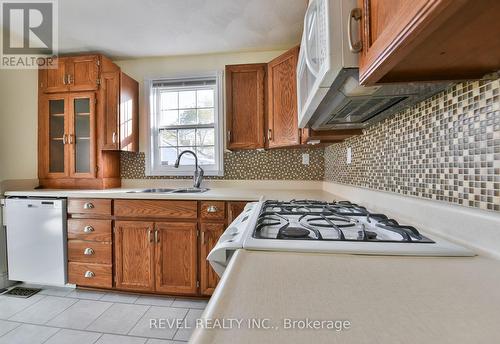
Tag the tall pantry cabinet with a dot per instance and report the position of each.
(87, 113)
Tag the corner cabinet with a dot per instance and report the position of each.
(427, 40)
(88, 112)
(245, 106)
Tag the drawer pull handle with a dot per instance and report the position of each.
(88, 206)
(89, 274)
(88, 251)
(212, 209)
(88, 229)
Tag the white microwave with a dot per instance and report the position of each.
(328, 91)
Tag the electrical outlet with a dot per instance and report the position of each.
(349, 155)
(305, 159)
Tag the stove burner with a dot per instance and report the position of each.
(336, 221)
(293, 232)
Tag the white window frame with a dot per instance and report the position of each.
(153, 165)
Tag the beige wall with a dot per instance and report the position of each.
(148, 68)
(18, 124)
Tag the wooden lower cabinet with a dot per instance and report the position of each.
(234, 209)
(176, 258)
(210, 233)
(159, 257)
(134, 255)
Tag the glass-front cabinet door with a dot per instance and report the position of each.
(56, 122)
(82, 135)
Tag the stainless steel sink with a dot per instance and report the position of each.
(152, 191)
(190, 190)
(181, 190)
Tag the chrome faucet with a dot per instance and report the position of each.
(198, 171)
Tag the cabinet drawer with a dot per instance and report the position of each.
(213, 210)
(90, 275)
(89, 229)
(89, 206)
(156, 209)
(89, 252)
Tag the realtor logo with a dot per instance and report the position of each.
(29, 37)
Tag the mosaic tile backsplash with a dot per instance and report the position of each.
(276, 164)
(445, 148)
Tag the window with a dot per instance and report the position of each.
(185, 115)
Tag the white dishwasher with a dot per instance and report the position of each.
(36, 240)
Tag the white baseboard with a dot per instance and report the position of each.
(475, 228)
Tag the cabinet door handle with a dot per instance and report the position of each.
(88, 229)
(65, 139)
(65, 78)
(229, 136)
(89, 274)
(356, 15)
(212, 209)
(114, 137)
(88, 251)
(157, 237)
(150, 235)
(70, 79)
(269, 134)
(70, 139)
(88, 205)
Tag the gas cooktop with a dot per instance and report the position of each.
(335, 221)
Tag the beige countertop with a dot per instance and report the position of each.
(216, 193)
(385, 299)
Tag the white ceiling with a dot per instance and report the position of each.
(139, 28)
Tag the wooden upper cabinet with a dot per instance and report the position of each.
(88, 111)
(426, 40)
(176, 257)
(134, 255)
(245, 106)
(83, 73)
(129, 114)
(119, 105)
(282, 117)
(54, 80)
(73, 74)
(210, 234)
(109, 106)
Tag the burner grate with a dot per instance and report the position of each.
(335, 221)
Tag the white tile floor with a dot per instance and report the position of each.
(66, 315)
